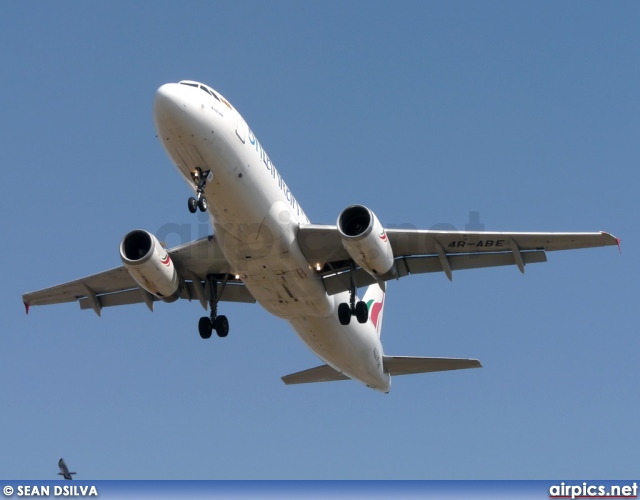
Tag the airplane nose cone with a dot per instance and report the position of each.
(167, 100)
(170, 108)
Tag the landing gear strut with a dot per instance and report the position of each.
(200, 202)
(220, 324)
(358, 309)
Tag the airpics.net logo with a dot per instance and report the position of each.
(586, 490)
(261, 241)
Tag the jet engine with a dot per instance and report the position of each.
(150, 265)
(366, 241)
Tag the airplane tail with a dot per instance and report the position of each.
(393, 365)
(374, 298)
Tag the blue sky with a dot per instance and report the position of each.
(526, 112)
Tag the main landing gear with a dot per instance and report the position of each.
(358, 309)
(200, 202)
(220, 324)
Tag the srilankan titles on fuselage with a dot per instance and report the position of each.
(216, 103)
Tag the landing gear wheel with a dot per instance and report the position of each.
(193, 205)
(200, 180)
(202, 204)
(344, 314)
(204, 327)
(362, 312)
(214, 322)
(221, 326)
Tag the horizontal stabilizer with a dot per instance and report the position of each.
(406, 365)
(393, 365)
(323, 373)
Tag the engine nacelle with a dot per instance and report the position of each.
(366, 241)
(150, 265)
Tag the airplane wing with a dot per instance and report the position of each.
(425, 251)
(193, 261)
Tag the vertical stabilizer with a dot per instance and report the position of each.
(374, 298)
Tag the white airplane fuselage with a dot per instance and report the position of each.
(255, 219)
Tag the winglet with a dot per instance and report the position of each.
(26, 307)
(612, 236)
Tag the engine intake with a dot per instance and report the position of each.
(366, 241)
(150, 265)
(355, 221)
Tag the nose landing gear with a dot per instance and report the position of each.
(200, 202)
(220, 324)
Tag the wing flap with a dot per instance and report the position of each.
(419, 265)
(322, 373)
(133, 296)
(231, 293)
(407, 365)
(339, 282)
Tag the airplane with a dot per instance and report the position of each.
(64, 470)
(265, 249)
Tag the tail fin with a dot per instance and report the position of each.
(374, 298)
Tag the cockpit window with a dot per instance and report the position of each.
(209, 91)
(202, 87)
